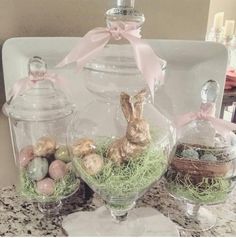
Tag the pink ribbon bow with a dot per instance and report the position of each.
(207, 112)
(95, 40)
(24, 84)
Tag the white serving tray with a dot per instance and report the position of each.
(190, 64)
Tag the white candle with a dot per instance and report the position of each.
(229, 28)
(218, 20)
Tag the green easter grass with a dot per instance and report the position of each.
(63, 188)
(209, 191)
(125, 180)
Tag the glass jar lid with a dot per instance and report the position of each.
(205, 129)
(115, 68)
(39, 99)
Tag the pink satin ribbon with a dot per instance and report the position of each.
(24, 84)
(95, 40)
(207, 112)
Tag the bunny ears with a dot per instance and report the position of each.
(132, 107)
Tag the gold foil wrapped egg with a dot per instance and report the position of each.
(93, 164)
(45, 187)
(57, 169)
(45, 146)
(83, 147)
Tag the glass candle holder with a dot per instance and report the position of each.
(215, 35)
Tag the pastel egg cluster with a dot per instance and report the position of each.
(193, 154)
(45, 164)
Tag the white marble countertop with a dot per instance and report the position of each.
(19, 218)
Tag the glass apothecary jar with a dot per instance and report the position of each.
(39, 113)
(202, 170)
(120, 142)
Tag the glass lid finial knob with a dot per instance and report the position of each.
(210, 91)
(37, 67)
(126, 3)
(124, 11)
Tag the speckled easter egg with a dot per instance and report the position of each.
(208, 157)
(37, 168)
(45, 187)
(45, 146)
(26, 155)
(62, 153)
(190, 154)
(83, 147)
(57, 169)
(93, 164)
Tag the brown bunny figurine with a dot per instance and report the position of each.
(137, 134)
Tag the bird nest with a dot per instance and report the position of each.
(224, 166)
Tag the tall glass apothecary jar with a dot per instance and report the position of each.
(120, 142)
(39, 113)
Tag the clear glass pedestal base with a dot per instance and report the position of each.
(50, 208)
(120, 214)
(194, 218)
(140, 222)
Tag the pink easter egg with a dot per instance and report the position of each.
(57, 169)
(45, 187)
(26, 155)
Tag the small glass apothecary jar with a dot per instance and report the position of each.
(39, 113)
(202, 170)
